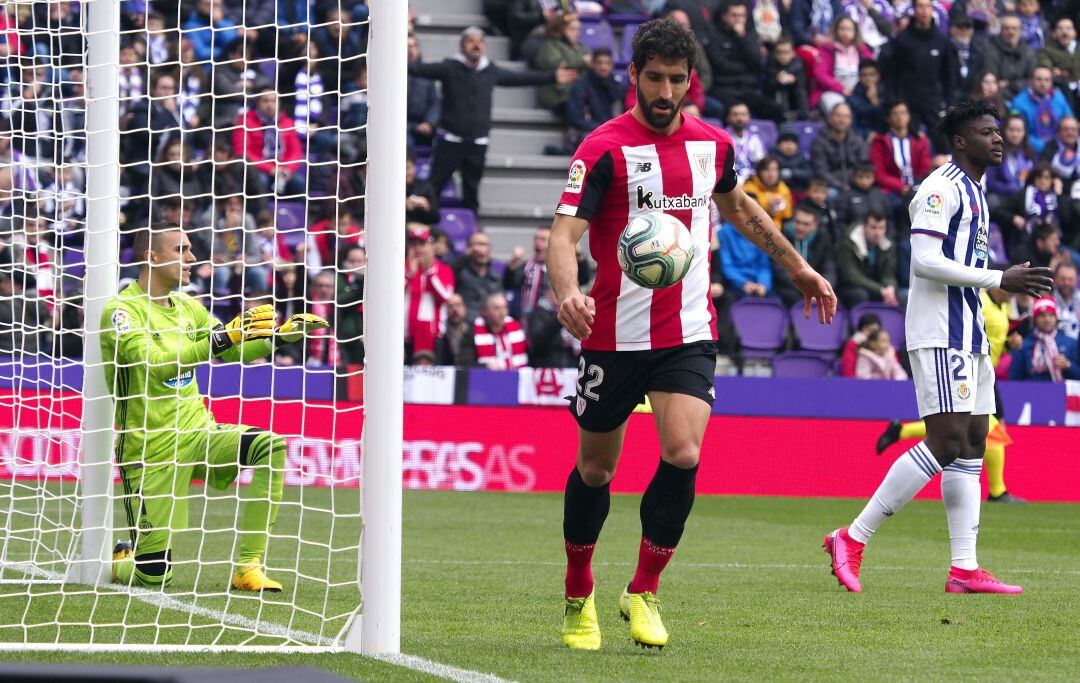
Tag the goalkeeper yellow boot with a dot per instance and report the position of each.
(580, 628)
(642, 610)
(251, 577)
(122, 555)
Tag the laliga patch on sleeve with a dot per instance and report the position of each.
(933, 205)
(121, 321)
(575, 180)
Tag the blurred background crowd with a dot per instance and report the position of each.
(246, 124)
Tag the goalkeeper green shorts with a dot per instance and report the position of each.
(156, 495)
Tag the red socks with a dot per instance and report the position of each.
(652, 559)
(579, 578)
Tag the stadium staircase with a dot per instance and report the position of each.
(521, 185)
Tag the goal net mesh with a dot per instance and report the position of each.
(244, 123)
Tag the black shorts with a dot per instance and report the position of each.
(612, 383)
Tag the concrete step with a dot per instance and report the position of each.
(524, 191)
(526, 165)
(531, 116)
(448, 23)
(437, 46)
(515, 98)
(447, 6)
(515, 141)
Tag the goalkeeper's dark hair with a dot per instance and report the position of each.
(962, 113)
(666, 39)
(150, 239)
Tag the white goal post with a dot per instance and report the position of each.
(58, 524)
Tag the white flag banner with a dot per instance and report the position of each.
(1072, 403)
(546, 386)
(429, 384)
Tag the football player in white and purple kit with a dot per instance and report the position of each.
(950, 361)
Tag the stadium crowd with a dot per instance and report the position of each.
(246, 124)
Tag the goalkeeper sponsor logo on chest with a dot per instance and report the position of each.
(181, 380)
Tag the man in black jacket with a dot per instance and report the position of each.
(473, 277)
(735, 56)
(593, 98)
(468, 80)
(969, 53)
(422, 108)
(919, 68)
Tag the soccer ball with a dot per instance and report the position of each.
(655, 250)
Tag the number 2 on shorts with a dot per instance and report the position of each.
(597, 374)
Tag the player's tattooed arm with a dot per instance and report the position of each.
(768, 244)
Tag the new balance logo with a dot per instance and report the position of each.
(643, 167)
(645, 200)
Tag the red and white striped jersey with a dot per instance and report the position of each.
(624, 169)
(503, 350)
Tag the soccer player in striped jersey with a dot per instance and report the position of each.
(639, 342)
(947, 343)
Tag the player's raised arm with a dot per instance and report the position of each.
(576, 310)
(751, 220)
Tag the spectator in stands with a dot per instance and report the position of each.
(131, 78)
(1042, 107)
(593, 97)
(918, 66)
(234, 247)
(836, 70)
(1043, 248)
(528, 279)
(747, 270)
(1009, 177)
(234, 81)
(900, 156)
(817, 198)
(64, 204)
(524, 18)
(795, 168)
(867, 100)
(867, 264)
(562, 50)
(986, 88)
(969, 54)
(862, 199)
(701, 78)
(174, 175)
(289, 287)
(266, 137)
(735, 57)
(421, 205)
(151, 125)
(321, 348)
(1061, 56)
(867, 324)
(455, 346)
(499, 339)
(815, 245)
(1048, 354)
(340, 43)
(550, 345)
(354, 102)
(837, 150)
(1039, 204)
(468, 81)
(328, 237)
(208, 30)
(422, 110)
(769, 190)
(1009, 57)
(1033, 28)
(877, 358)
(749, 148)
(25, 321)
(350, 303)
(309, 104)
(785, 81)
(812, 19)
(429, 284)
(473, 275)
(1067, 299)
(1062, 152)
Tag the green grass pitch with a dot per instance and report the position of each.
(748, 595)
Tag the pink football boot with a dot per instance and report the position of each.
(846, 555)
(977, 581)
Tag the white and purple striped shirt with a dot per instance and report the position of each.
(949, 205)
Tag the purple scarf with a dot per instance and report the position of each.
(1040, 205)
(1065, 161)
(1031, 32)
(1045, 126)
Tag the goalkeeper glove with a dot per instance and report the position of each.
(255, 323)
(298, 325)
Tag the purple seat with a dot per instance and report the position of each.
(821, 340)
(807, 131)
(291, 216)
(458, 224)
(762, 325)
(625, 52)
(449, 197)
(766, 130)
(598, 35)
(800, 365)
(892, 319)
(627, 19)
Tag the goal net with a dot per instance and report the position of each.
(219, 471)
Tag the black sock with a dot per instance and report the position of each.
(667, 503)
(584, 509)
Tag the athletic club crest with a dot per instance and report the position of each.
(703, 162)
(963, 391)
(580, 406)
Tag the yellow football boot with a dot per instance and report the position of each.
(642, 610)
(122, 554)
(581, 630)
(251, 577)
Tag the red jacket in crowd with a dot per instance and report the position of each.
(503, 350)
(426, 294)
(889, 178)
(253, 140)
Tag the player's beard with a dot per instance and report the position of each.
(657, 120)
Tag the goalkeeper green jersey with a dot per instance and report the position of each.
(150, 353)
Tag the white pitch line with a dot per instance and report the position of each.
(264, 628)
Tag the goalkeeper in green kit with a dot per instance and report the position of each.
(153, 338)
